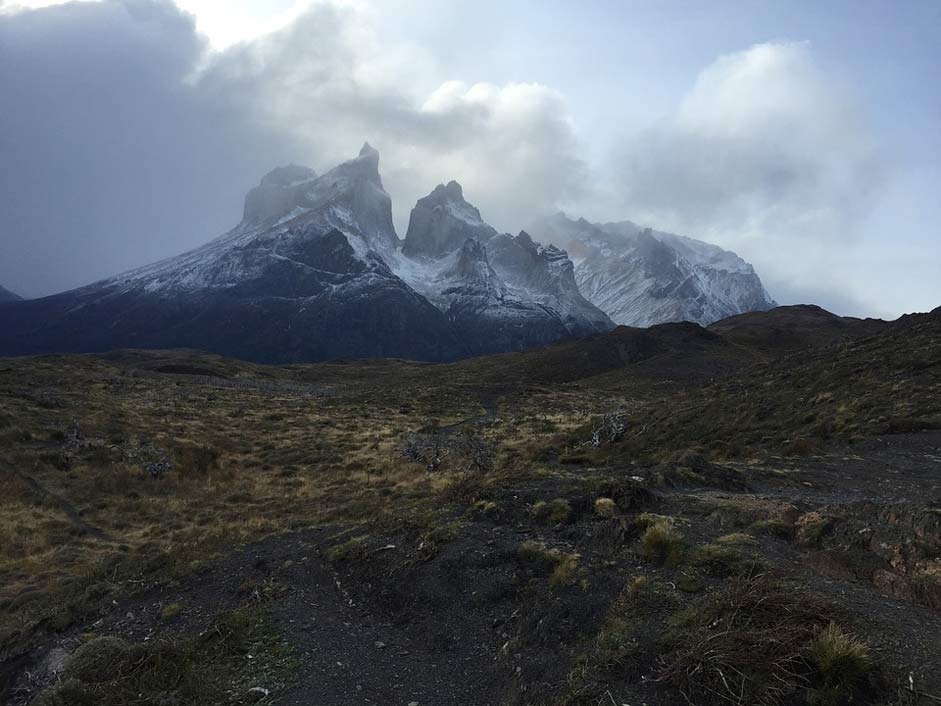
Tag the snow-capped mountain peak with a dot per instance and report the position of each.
(315, 271)
(500, 290)
(442, 222)
(642, 277)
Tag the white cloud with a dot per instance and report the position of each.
(158, 133)
(766, 154)
(332, 82)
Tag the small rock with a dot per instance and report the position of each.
(52, 664)
(380, 644)
(257, 693)
(412, 703)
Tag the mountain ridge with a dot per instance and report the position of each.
(641, 277)
(315, 271)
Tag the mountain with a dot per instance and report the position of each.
(642, 277)
(786, 328)
(7, 296)
(441, 223)
(500, 292)
(315, 271)
(302, 277)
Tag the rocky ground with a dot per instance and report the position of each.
(183, 529)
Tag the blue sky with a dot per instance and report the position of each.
(803, 135)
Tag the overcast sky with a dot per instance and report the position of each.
(806, 136)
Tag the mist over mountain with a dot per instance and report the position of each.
(642, 277)
(316, 271)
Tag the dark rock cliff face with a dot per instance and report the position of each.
(483, 314)
(548, 276)
(441, 222)
(280, 192)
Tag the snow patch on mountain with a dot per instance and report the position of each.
(465, 268)
(642, 277)
(290, 202)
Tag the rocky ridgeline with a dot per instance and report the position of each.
(316, 271)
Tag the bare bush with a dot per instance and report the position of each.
(154, 461)
(425, 449)
(466, 452)
(609, 429)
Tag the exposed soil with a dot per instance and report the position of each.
(471, 624)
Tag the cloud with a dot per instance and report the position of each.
(112, 157)
(766, 154)
(127, 138)
(330, 81)
(130, 139)
(762, 145)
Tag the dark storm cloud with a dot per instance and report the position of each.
(128, 140)
(111, 157)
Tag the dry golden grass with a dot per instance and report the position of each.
(247, 461)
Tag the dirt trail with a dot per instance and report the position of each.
(488, 400)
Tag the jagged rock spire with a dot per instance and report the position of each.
(442, 222)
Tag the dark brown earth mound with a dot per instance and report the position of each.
(793, 327)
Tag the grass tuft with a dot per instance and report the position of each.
(553, 512)
(841, 661)
(605, 507)
(662, 544)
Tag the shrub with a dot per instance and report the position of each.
(354, 548)
(662, 544)
(102, 659)
(746, 643)
(566, 571)
(69, 692)
(781, 529)
(719, 559)
(799, 447)
(812, 527)
(170, 611)
(605, 507)
(841, 662)
(554, 512)
(196, 459)
(485, 507)
(563, 569)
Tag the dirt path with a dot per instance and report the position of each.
(487, 400)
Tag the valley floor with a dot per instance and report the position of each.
(178, 528)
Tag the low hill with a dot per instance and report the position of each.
(793, 327)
